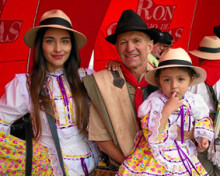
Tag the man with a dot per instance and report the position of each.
(209, 57)
(116, 95)
(216, 30)
(165, 41)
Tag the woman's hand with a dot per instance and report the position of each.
(113, 65)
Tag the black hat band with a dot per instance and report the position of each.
(209, 50)
(175, 62)
(56, 21)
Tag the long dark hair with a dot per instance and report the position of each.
(38, 80)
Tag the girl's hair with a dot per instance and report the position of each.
(38, 82)
(189, 70)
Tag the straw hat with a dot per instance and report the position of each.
(130, 21)
(209, 48)
(54, 19)
(175, 58)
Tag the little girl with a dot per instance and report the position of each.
(157, 150)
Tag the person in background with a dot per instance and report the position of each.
(116, 95)
(208, 54)
(56, 72)
(216, 30)
(157, 150)
(165, 41)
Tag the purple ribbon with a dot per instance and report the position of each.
(84, 167)
(63, 91)
(182, 124)
(189, 162)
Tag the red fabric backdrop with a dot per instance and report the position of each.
(187, 20)
(16, 17)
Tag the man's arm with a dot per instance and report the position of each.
(187, 134)
(111, 150)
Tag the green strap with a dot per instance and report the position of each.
(97, 100)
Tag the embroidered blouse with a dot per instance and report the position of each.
(16, 102)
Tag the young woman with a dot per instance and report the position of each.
(56, 71)
(158, 151)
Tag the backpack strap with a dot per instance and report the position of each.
(53, 129)
(29, 148)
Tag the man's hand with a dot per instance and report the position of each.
(113, 65)
(203, 144)
(187, 134)
(109, 148)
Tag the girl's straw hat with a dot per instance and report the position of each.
(54, 19)
(175, 58)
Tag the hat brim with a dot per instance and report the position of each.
(150, 75)
(152, 34)
(205, 55)
(30, 35)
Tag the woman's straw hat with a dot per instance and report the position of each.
(54, 19)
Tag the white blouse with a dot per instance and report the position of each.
(16, 102)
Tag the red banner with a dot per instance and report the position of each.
(16, 17)
(176, 17)
(188, 21)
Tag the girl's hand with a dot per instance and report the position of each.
(172, 104)
(203, 144)
(113, 65)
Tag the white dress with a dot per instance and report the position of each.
(75, 149)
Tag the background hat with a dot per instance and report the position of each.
(130, 21)
(54, 19)
(209, 48)
(160, 34)
(216, 30)
(175, 58)
(165, 37)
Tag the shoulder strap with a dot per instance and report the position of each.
(96, 97)
(53, 129)
(29, 151)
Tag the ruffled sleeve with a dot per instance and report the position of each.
(203, 123)
(84, 71)
(15, 102)
(150, 112)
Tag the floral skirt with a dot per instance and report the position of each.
(13, 153)
(142, 162)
